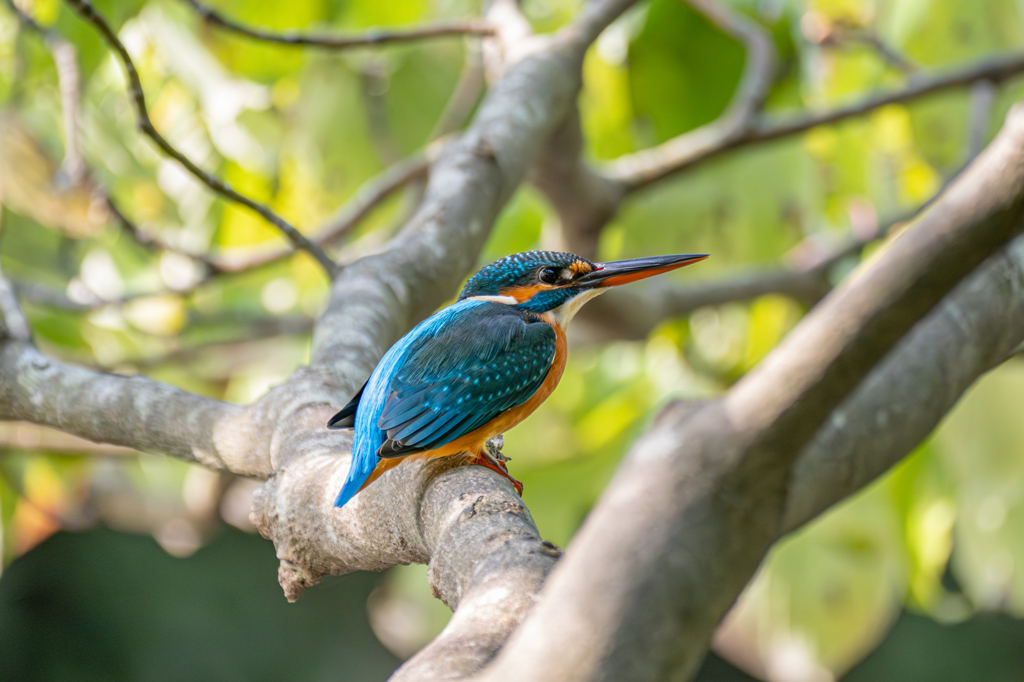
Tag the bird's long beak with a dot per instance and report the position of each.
(626, 271)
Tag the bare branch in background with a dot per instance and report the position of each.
(586, 200)
(759, 67)
(153, 243)
(737, 122)
(65, 57)
(646, 167)
(347, 218)
(229, 352)
(837, 35)
(299, 240)
(335, 42)
(633, 313)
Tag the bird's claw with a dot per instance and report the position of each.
(494, 446)
(492, 458)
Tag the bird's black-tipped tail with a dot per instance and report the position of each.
(346, 419)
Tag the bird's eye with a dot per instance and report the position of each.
(548, 275)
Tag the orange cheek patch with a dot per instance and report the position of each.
(522, 293)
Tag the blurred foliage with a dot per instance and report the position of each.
(301, 129)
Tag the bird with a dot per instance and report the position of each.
(476, 368)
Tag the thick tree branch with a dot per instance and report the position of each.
(703, 495)
(903, 399)
(129, 411)
(299, 240)
(336, 42)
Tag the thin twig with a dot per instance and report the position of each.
(65, 58)
(370, 195)
(807, 280)
(638, 170)
(739, 119)
(232, 349)
(299, 240)
(337, 42)
(843, 35)
(153, 243)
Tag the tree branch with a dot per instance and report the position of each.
(646, 167)
(585, 199)
(840, 34)
(369, 196)
(633, 313)
(644, 585)
(300, 241)
(371, 38)
(903, 399)
(703, 495)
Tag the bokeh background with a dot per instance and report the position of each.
(126, 566)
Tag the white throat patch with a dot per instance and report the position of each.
(507, 300)
(564, 313)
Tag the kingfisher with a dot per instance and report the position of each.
(478, 367)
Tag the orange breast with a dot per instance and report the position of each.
(474, 440)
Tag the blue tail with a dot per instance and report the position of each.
(367, 436)
(356, 477)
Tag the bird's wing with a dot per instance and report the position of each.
(346, 418)
(476, 367)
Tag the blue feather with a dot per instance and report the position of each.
(455, 372)
(368, 436)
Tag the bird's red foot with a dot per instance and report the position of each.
(499, 467)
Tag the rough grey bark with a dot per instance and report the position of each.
(701, 496)
(971, 331)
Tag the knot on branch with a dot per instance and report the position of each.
(294, 579)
